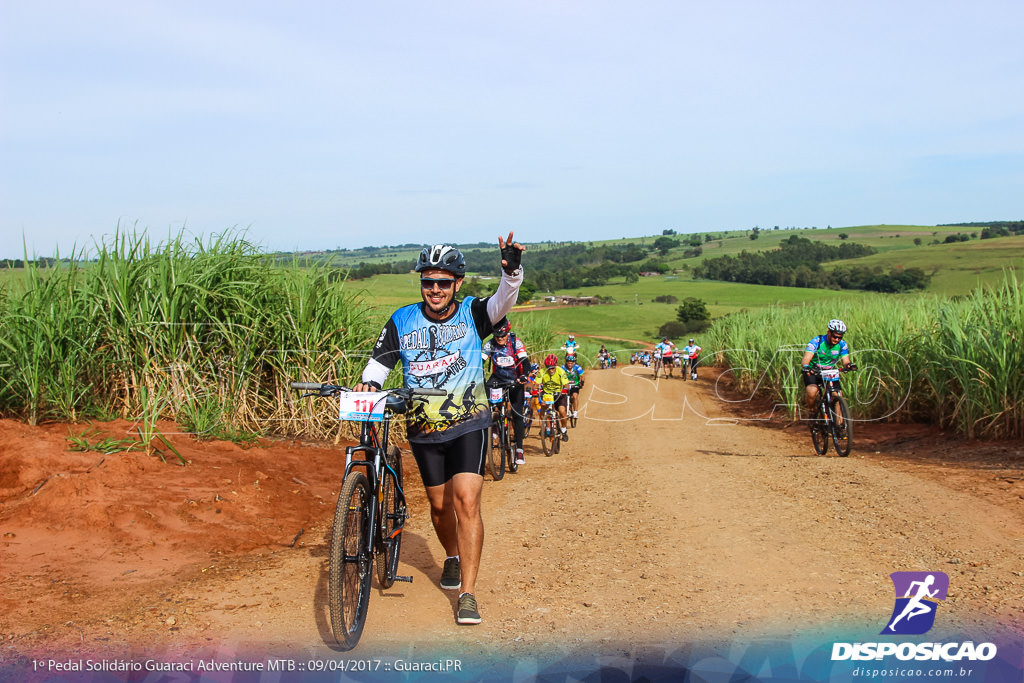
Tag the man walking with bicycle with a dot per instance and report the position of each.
(438, 342)
(510, 363)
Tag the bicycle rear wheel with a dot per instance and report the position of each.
(819, 431)
(842, 435)
(392, 519)
(350, 571)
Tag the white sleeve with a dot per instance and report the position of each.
(375, 372)
(502, 301)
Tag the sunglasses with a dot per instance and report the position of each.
(444, 284)
(835, 334)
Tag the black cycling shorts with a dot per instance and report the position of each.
(439, 462)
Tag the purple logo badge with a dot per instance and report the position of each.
(917, 598)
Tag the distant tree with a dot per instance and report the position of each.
(843, 236)
(917, 241)
(668, 231)
(665, 244)
(692, 310)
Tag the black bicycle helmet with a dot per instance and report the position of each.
(442, 257)
(501, 328)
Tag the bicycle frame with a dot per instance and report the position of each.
(373, 441)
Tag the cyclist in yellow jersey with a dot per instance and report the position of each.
(555, 381)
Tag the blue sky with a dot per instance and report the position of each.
(343, 124)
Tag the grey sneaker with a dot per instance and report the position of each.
(451, 575)
(468, 613)
(565, 436)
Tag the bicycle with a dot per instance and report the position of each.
(550, 434)
(571, 403)
(689, 369)
(528, 401)
(656, 362)
(371, 510)
(502, 447)
(831, 404)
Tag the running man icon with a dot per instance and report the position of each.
(916, 602)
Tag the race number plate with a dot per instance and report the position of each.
(495, 394)
(362, 406)
(829, 373)
(547, 398)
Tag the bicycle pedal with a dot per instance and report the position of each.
(406, 579)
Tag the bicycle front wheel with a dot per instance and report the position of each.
(495, 460)
(842, 434)
(546, 429)
(510, 444)
(392, 518)
(350, 559)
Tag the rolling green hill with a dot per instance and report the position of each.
(956, 268)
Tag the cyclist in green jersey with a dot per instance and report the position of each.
(828, 350)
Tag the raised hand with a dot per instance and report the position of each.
(511, 253)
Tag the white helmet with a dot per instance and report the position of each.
(837, 326)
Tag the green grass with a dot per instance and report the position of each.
(956, 268)
(636, 316)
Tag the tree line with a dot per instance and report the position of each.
(797, 263)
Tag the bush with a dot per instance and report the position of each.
(675, 329)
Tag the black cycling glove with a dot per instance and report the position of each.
(512, 256)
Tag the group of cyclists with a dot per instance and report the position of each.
(440, 344)
(666, 356)
(510, 367)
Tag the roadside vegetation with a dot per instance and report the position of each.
(953, 361)
(209, 333)
(204, 333)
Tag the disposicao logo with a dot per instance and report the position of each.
(917, 599)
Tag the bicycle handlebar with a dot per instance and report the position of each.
(306, 386)
(331, 389)
(816, 369)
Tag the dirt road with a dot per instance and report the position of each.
(670, 516)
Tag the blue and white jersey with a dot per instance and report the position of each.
(440, 355)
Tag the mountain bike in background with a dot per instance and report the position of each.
(501, 446)
(550, 434)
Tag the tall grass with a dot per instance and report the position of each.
(957, 362)
(189, 330)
